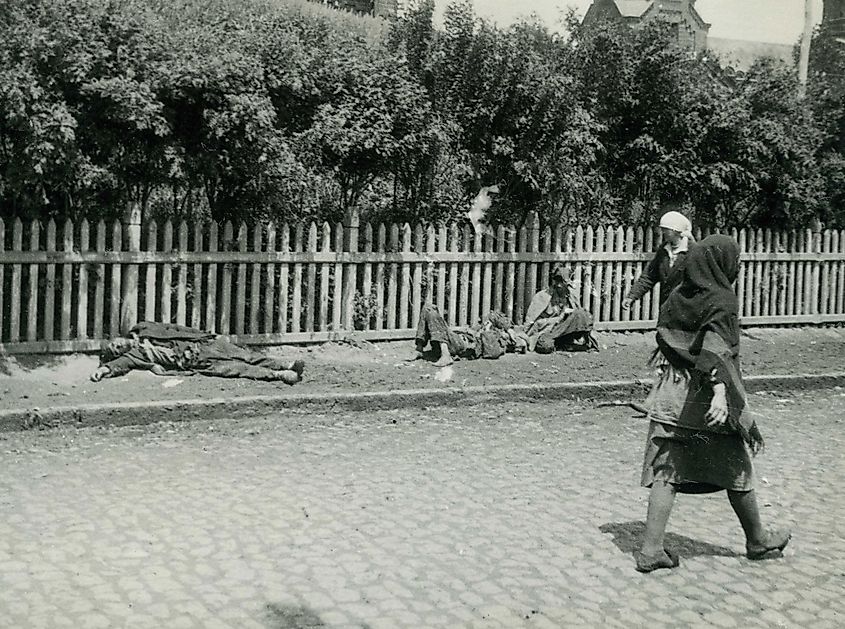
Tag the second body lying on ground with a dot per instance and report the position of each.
(166, 348)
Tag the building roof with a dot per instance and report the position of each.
(633, 8)
(741, 55)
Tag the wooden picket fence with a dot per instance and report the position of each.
(65, 287)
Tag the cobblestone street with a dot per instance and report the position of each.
(508, 516)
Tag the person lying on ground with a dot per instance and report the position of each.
(701, 438)
(666, 267)
(169, 349)
(555, 319)
(492, 338)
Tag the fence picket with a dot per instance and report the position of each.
(475, 299)
(799, 275)
(464, 286)
(618, 279)
(337, 300)
(522, 246)
(166, 294)
(195, 286)
(32, 297)
(150, 275)
(240, 288)
(50, 283)
(296, 297)
(284, 283)
(587, 276)
(114, 294)
(416, 292)
(740, 281)
(405, 283)
(840, 271)
(598, 278)
(325, 272)
(546, 246)
(824, 280)
(769, 280)
(255, 280)
(431, 270)
(82, 286)
(381, 239)
(487, 272)
(500, 269)
(628, 277)
(350, 276)
(511, 245)
(442, 245)
(792, 245)
(99, 288)
(311, 283)
(67, 283)
(607, 290)
(392, 279)
(270, 282)
(814, 272)
(182, 282)
(211, 284)
(367, 279)
(15, 300)
(533, 246)
(759, 281)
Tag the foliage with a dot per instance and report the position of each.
(282, 109)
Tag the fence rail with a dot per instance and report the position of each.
(65, 287)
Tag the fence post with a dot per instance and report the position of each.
(351, 222)
(129, 295)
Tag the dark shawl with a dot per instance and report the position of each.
(698, 327)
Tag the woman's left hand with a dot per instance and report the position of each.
(718, 413)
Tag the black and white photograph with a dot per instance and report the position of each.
(422, 314)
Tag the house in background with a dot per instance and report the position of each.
(693, 32)
(690, 29)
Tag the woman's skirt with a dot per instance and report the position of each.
(548, 333)
(695, 460)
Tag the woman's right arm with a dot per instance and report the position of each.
(645, 282)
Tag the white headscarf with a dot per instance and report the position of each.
(681, 224)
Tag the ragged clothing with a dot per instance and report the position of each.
(490, 339)
(698, 348)
(165, 347)
(551, 325)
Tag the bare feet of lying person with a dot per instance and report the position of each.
(298, 366)
(288, 376)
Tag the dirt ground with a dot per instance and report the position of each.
(38, 382)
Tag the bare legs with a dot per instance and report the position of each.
(660, 502)
(758, 542)
(744, 504)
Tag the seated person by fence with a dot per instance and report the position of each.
(555, 319)
(492, 338)
(169, 349)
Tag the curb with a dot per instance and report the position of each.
(142, 413)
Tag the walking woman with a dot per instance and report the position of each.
(699, 439)
(666, 266)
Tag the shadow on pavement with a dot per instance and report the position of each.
(627, 536)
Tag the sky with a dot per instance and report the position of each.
(776, 21)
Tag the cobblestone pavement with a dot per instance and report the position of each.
(522, 515)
